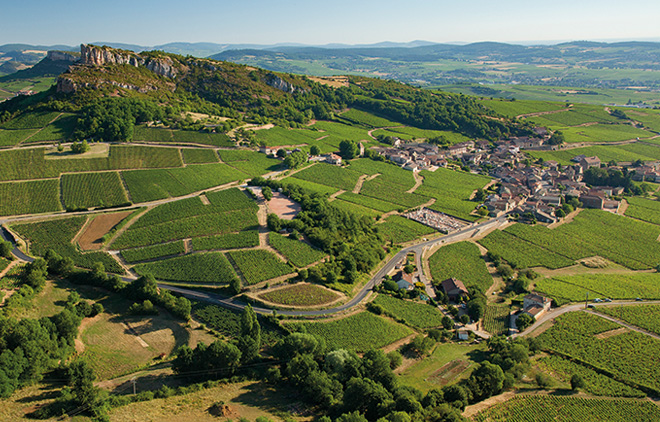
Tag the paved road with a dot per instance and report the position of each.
(231, 303)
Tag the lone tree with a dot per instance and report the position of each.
(348, 149)
(524, 321)
(267, 193)
(314, 150)
(577, 382)
(5, 250)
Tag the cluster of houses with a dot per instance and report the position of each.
(425, 156)
(331, 158)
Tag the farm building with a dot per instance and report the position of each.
(536, 305)
(463, 334)
(404, 281)
(454, 289)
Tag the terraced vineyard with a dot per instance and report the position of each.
(329, 175)
(596, 383)
(365, 201)
(29, 197)
(298, 253)
(249, 162)
(643, 316)
(569, 409)
(419, 315)
(615, 286)
(259, 265)
(644, 209)
(210, 267)
(199, 156)
(58, 235)
(462, 261)
(300, 295)
(91, 190)
(630, 357)
(359, 332)
(390, 185)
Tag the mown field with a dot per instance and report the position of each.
(58, 235)
(462, 261)
(300, 295)
(569, 409)
(615, 286)
(415, 314)
(630, 357)
(359, 332)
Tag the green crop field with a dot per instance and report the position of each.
(596, 383)
(415, 314)
(522, 254)
(311, 186)
(412, 133)
(400, 230)
(29, 197)
(496, 319)
(368, 202)
(616, 286)
(516, 108)
(60, 130)
(15, 136)
(151, 252)
(57, 235)
(297, 252)
(199, 156)
(244, 239)
(151, 185)
(91, 190)
(452, 191)
(367, 119)
(259, 265)
(195, 226)
(31, 163)
(359, 332)
(355, 209)
(595, 232)
(251, 163)
(329, 175)
(603, 133)
(390, 185)
(630, 357)
(280, 136)
(212, 267)
(462, 261)
(338, 132)
(644, 209)
(31, 120)
(300, 295)
(620, 153)
(643, 316)
(650, 118)
(569, 409)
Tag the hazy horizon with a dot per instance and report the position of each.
(150, 23)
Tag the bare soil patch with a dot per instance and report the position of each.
(285, 208)
(611, 333)
(449, 371)
(91, 238)
(333, 81)
(97, 150)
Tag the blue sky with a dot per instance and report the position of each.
(148, 22)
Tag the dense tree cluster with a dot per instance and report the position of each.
(351, 240)
(614, 177)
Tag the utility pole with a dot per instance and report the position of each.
(133, 381)
(586, 301)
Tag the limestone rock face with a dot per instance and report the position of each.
(61, 56)
(66, 85)
(279, 83)
(98, 56)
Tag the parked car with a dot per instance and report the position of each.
(590, 306)
(607, 299)
(597, 300)
(639, 299)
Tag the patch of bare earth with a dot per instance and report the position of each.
(449, 371)
(91, 238)
(611, 333)
(490, 402)
(285, 208)
(333, 81)
(397, 344)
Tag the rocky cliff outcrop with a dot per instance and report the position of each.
(279, 83)
(62, 56)
(92, 55)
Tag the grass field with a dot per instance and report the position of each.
(415, 314)
(400, 230)
(300, 295)
(212, 267)
(57, 235)
(259, 265)
(297, 252)
(615, 286)
(359, 332)
(29, 197)
(569, 409)
(92, 190)
(462, 261)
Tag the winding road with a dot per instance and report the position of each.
(231, 303)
